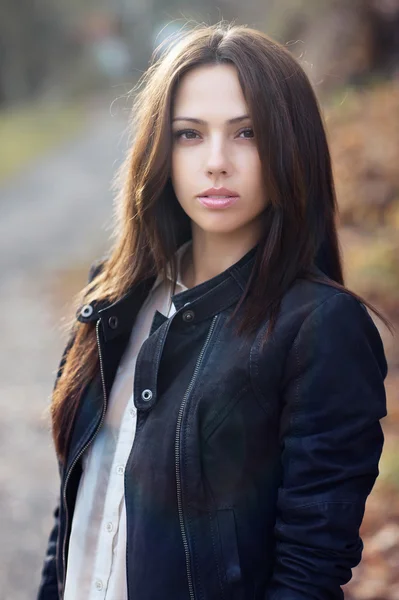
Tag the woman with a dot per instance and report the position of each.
(216, 411)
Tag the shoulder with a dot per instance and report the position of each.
(95, 268)
(310, 304)
(319, 325)
(308, 299)
(321, 307)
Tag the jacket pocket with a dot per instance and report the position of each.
(229, 546)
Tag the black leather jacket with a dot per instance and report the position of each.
(250, 466)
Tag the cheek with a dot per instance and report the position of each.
(177, 163)
(251, 170)
(180, 175)
(176, 170)
(182, 168)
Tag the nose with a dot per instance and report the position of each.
(217, 159)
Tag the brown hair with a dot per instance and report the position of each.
(300, 228)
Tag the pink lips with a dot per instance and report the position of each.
(211, 197)
(210, 202)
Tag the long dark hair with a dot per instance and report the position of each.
(300, 219)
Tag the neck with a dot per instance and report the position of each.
(209, 255)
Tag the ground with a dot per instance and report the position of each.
(54, 217)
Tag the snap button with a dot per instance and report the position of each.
(113, 322)
(188, 315)
(146, 395)
(87, 311)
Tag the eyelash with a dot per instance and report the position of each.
(178, 134)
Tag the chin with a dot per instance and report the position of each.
(218, 228)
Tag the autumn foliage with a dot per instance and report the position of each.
(363, 128)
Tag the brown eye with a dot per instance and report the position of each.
(186, 134)
(248, 133)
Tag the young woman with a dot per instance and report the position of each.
(216, 414)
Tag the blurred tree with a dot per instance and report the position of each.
(339, 41)
(34, 43)
(384, 24)
(44, 43)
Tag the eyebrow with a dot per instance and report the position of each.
(202, 122)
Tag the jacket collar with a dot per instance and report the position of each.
(195, 304)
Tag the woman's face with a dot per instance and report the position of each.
(214, 147)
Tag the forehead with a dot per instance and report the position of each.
(209, 90)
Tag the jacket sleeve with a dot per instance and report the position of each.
(48, 588)
(331, 440)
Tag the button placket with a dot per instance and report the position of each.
(111, 516)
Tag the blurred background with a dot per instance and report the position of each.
(66, 69)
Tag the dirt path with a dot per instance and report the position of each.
(54, 215)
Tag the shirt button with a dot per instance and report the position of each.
(132, 412)
(120, 469)
(109, 526)
(99, 585)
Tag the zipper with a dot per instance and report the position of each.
(85, 446)
(177, 457)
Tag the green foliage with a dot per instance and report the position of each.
(28, 131)
(389, 466)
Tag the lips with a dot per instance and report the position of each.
(217, 198)
(218, 193)
(217, 203)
